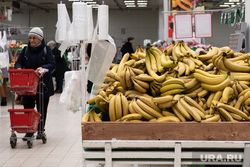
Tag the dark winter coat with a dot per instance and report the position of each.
(127, 48)
(61, 65)
(36, 57)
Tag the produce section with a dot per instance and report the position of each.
(176, 85)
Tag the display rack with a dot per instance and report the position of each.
(177, 153)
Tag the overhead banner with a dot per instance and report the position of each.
(183, 26)
(203, 25)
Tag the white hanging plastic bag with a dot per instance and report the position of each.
(71, 96)
(101, 58)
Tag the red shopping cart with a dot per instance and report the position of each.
(24, 82)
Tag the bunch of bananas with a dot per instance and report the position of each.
(118, 107)
(92, 116)
(176, 85)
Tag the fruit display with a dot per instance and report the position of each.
(175, 85)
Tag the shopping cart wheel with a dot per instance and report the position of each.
(13, 140)
(30, 144)
(44, 138)
(13, 144)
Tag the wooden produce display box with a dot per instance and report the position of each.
(209, 131)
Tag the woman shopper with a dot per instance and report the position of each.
(61, 66)
(38, 56)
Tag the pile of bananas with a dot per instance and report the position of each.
(176, 85)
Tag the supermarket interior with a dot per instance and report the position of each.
(124, 83)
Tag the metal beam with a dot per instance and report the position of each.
(31, 4)
(119, 6)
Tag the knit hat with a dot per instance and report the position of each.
(37, 32)
(130, 38)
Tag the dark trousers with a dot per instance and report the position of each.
(59, 83)
(29, 103)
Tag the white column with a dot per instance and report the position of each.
(247, 20)
(161, 23)
(165, 17)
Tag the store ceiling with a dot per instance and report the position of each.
(113, 4)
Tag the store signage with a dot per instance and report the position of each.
(203, 25)
(183, 26)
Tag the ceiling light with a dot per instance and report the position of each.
(228, 3)
(234, 0)
(129, 1)
(224, 6)
(130, 6)
(141, 3)
(142, 6)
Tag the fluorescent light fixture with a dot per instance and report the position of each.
(234, 0)
(129, 1)
(228, 3)
(141, 3)
(131, 6)
(233, 5)
(142, 6)
(79, 0)
(224, 6)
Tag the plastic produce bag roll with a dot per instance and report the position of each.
(63, 23)
(103, 19)
(80, 21)
(90, 22)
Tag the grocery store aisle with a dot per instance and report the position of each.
(63, 147)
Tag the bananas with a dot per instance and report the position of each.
(176, 85)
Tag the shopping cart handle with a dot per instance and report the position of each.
(42, 71)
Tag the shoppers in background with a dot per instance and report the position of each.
(38, 56)
(61, 66)
(118, 56)
(127, 47)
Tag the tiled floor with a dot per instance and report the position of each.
(63, 147)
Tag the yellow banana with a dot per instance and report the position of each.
(142, 112)
(191, 84)
(225, 114)
(144, 77)
(152, 73)
(128, 79)
(123, 79)
(158, 59)
(190, 110)
(91, 100)
(167, 105)
(118, 106)
(113, 75)
(209, 100)
(218, 87)
(167, 113)
(231, 109)
(173, 81)
(168, 119)
(171, 87)
(212, 51)
(163, 99)
(227, 93)
(96, 117)
(137, 71)
(172, 92)
(148, 109)
(149, 102)
(210, 80)
(193, 103)
(112, 109)
(202, 115)
(235, 67)
(143, 84)
(121, 65)
(124, 105)
(130, 108)
(132, 117)
(215, 118)
(178, 114)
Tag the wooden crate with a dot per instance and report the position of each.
(209, 131)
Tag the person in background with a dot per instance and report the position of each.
(127, 47)
(38, 56)
(118, 56)
(61, 66)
